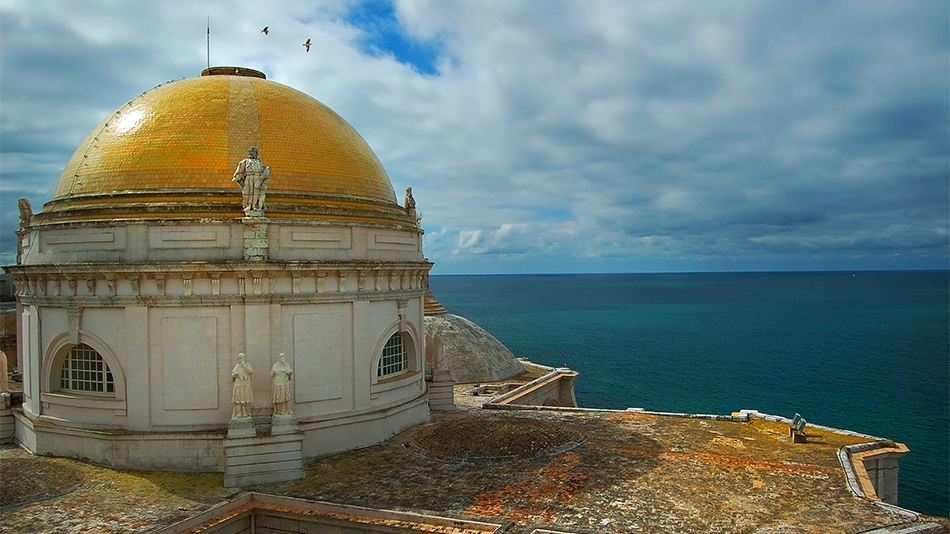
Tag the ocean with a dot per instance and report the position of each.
(864, 351)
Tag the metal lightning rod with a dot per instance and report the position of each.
(209, 41)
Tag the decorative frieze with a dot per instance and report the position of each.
(298, 285)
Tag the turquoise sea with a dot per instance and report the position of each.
(864, 351)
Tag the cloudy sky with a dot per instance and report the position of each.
(555, 136)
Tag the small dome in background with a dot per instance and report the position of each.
(472, 354)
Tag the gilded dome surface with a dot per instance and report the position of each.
(171, 153)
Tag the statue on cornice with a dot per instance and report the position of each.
(410, 205)
(26, 212)
(252, 176)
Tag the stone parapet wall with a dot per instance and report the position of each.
(215, 241)
(287, 515)
(874, 469)
(556, 389)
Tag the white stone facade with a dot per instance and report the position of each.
(169, 305)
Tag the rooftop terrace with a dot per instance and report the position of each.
(565, 470)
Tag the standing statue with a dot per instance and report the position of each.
(410, 201)
(410, 206)
(242, 396)
(252, 176)
(26, 212)
(280, 386)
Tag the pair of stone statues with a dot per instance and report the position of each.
(242, 395)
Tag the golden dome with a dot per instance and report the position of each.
(171, 153)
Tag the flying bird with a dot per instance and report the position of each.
(307, 45)
(265, 31)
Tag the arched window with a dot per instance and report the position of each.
(84, 371)
(393, 360)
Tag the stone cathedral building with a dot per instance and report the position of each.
(145, 276)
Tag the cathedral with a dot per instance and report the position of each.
(208, 218)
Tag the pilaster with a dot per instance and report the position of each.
(255, 238)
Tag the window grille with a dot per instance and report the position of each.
(84, 371)
(393, 360)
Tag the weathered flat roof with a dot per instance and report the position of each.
(633, 472)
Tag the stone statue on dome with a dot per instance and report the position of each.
(252, 176)
(280, 386)
(242, 396)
